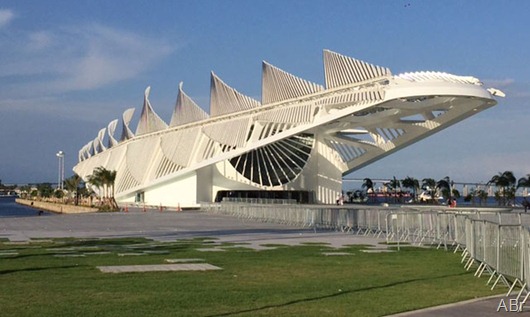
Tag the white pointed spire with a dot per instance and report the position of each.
(341, 70)
(186, 110)
(126, 132)
(278, 85)
(111, 129)
(98, 141)
(90, 148)
(225, 99)
(149, 120)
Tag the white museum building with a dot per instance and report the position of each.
(297, 143)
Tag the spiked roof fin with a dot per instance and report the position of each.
(90, 148)
(126, 132)
(111, 129)
(278, 85)
(149, 120)
(341, 70)
(186, 110)
(225, 99)
(85, 151)
(98, 141)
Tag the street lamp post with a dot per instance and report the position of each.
(60, 180)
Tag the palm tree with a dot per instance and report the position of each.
(72, 186)
(429, 184)
(482, 196)
(506, 184)
(444, 185)
(96, 183)
(412, 183)
(110, 178)
(104, 179)
(393, 186)
(524, 181)
(369, 186)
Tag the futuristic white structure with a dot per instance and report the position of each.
(302, 136)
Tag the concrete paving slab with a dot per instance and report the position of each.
(158, 268)
(97, 253)
(211, 250)
(376, 251)
(132, 254)
(65, 255)
(336, 253)
(8, 254)
(184, 260)
(156, 252)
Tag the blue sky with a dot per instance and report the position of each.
(67, 68)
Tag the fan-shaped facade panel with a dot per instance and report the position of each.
(275, 164)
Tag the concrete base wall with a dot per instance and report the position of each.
(58, 208)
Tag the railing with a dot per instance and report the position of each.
(259, 200)
(496, 243)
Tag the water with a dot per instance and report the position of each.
(9, 208)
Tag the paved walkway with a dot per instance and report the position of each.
(170, 225)
(482, 307)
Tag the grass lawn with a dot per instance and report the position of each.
(60, 278)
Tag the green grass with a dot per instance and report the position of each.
(287, 281)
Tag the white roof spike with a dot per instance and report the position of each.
(225, 99)
(98, 141)
(97, 148)
(279, 85)
(342, 70)
(90, 148)
(111, 129)
(149, 120)
(126, 132)
(186, 110)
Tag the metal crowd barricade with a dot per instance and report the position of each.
(478, 231)
(498, 242)
(510, 253)
(490, 245)
(460, 231)
(526, 267)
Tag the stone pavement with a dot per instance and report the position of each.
(171, 225)
(157, 268)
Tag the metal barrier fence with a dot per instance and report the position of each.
(356, 220)
(497, 243)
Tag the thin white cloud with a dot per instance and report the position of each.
(84, 58)
(55, 107)
(6, 16)
(499, 83)
(39, 41)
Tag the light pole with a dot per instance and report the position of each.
(60, 180)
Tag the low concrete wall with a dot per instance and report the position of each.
(58, 208)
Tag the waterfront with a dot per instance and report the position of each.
(9, 208)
